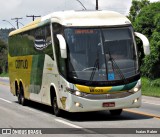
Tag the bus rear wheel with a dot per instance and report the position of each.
(21, 98)
(116, 112)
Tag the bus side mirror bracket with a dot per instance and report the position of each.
(63, 47)
(145, 41)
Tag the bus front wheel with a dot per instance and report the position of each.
(56, 109)
(116, 112)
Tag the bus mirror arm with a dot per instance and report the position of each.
(145, 41)
(63, 47)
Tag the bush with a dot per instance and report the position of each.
(156, 83)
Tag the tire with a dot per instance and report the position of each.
(116, 112)
(21, 97)
(17, 93)
(56, 109)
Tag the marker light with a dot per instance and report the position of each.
(78, 104)
(135, 101)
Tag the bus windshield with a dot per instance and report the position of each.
(102, 54)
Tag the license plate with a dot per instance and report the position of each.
(109, 104)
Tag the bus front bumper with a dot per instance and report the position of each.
(80, 104)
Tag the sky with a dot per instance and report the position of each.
(20, 8)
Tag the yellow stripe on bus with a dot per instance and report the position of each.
(93, 90)
(30, 26)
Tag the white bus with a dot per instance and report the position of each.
(77, 61)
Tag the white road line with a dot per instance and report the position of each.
(5, 100)
(151, 103)
(74, 126)
(67, 123)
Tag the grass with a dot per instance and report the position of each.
(4, 74)
(150, 87)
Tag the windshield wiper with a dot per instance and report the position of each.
(96, 65)
(116, 67)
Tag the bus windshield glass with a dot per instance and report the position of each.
(102, 54)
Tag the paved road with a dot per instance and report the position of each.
(34, 115)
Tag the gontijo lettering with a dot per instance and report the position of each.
(21, 64)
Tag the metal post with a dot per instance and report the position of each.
(33, 16)
(17, 21)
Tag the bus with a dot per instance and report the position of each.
(77, 61)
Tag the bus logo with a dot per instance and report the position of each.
(21, 64)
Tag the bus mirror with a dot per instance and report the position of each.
(63, 46)
(145, 41)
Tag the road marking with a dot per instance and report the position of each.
(74, 126)
(143, 113)
(67, 123)
(5, 100)
(151, 103)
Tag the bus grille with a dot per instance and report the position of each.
(107, 96)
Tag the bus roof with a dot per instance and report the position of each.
(78, 18)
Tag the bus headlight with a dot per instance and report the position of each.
(136, 88)
(75, 92)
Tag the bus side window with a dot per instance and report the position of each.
(48, 50)
(39, 42)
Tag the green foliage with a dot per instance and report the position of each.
(2, 45)
(4, 34)
(150, 87)
(4, 49)
(151, 65)
(156, 83)
(147, 22)
(4, 74)
(3, 56)
(136, 7)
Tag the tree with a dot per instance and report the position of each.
(151, 65)
(3, 56)
(147, 21)
(136, 8)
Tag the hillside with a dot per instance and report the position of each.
(4, 34)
